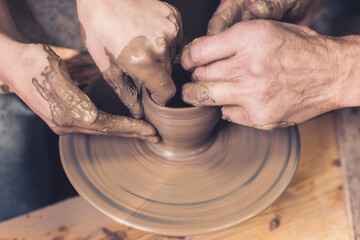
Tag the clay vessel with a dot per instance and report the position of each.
(183, 130)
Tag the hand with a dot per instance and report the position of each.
(230, 12)
(133, 40)
(39, 77)
(268, 74)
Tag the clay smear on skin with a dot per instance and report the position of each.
(82, 32)
(273, 126)
(142, 64)
(123, 86)
(73, 111)
(197, 94)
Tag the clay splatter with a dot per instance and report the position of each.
(275, 223)
(116, 235)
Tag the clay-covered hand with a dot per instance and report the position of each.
(267, 74)
(230, 12)
(133, 40)
(39, 77)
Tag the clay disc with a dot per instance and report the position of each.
(238, 174)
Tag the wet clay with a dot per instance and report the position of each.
(142, 64)
(72, 111)
(82, 32)
(225, 19)
(197, 94)
(183, 187)
(181, 129)
(273, 126)
(123, 86)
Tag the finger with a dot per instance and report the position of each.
(212, 93)
(269, 9)
(225, 19)
(217, 71)
(141, 62)
(123, 86)
(63, 96)
(208, 49)
(236, 114)
(163, 53)
(175, 17)
(112, 125)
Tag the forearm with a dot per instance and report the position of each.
(9, 42)
(7, 25)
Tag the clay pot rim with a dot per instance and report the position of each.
(172, 111)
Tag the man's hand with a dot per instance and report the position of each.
(230, 12)
(269, 74)
(39, 77)
(133, 40)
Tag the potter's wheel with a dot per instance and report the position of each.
(233, 178)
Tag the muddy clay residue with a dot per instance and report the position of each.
(82, 32)
(274, 223)
(63, 229)
(123, 86)
(197, 94)
(114, 235)
(224, 19)
(273, 126)
(72, 111)
(143, 64)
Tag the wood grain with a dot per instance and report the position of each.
(312, 207)
(348, 129)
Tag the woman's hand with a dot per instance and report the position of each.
(268, 74)
(230, 12)
(133, 40)
(39, 77)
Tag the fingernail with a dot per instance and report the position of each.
(195, 94)
(160, 41)
(260, 9)
(186, 46)
(223, 117)
(199, 72)
(209, 31)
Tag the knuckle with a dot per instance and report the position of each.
(140, 56)
(256, 66)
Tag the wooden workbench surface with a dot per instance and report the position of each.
(312, 207)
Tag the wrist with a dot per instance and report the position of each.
(7, 25)
(346, 70)
(10, 52)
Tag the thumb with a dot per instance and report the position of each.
(270, 9)
(225, 19)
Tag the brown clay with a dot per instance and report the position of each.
(185, 184)
(273, 126)
(194, 94)
(139, 61)
(188, 184)
(82, 32)
(142, 64)
(73, 111)
(181, 129)
(123, 86)
(224, 19)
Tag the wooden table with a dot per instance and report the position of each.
(312, 207)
